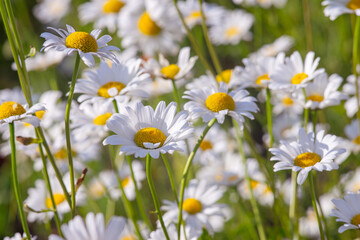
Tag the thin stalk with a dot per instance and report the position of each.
(269, 116)
(110, 209)
(355, 63)
(154, 196)
(307, 22)
(209, 45)
(15, 181)
(22, 77)
(139, 201)
(306, 112)
(313, 200)
(171, 176)
(253, 202)
(193, 41)
(53, 164)
(116, 107)
(314, 121)
(127, 204)
(187, 169)
(292, 210)
(47, 181)
(176, 95)
(67, 134)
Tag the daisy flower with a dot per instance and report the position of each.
(353, 134)
(295, 73)
(39, 199)
(141, 131)
(126, 179)
(308, 225)
(158, 234)
(105, 183)
(322, 92)
(213, 102)
(150, 26)
(18, 236)
(118, 81)
(11, 111)
(199, 206)
(233, 28)
(176, 71)
(281, 44)
(335, 8)
(349, 88)
(351, 181)
(190, 9)
(51, 11)
(262, 3)
(286, 103)
(87, 45)
(104, 13)
(307, 154)
(347, 211)
(92, 228)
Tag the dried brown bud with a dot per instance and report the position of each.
(26, 140)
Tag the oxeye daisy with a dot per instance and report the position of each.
(347, 211)
(353, 136)
(308, 225)
(93, 227)
(282, 44)
(295, 73)
(232, 28)
(349, 88)
(158, 234)
(199, 207)
(307, 154)
(104, 13)
(118, 81)
(87, 45)
(141, 131)
(11, 111)
(335, 8)
(18, 236)
(286, 103)
(322, 92)
(262, 3)
(150, 26)
(51, 11)
(179, 70)
(213, 102)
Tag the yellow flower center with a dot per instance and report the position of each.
(316, 98)
(205, 145)
(192, 206)
(298, 78)
(253, 184)
(357, 140)
(113, 6)
(82, 41)
(194, 15)
(170, 71)
(287, 101)
(40, 114)
(224, 76)
(62, 153)
(220, 101)
(231, 32)
(125, 181)
(233, 178)
(353, 4)
(149, 135)
(97, 189)
(103, 90)
(128, 237)
(356, 220)
(101, 120)
(307, 159)
(262, 78)
(58, 198)
(147, 26)
(9, 109)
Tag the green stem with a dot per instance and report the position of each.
(307, 22)
(269, 116)
(176, 95)
(193, 41)
(15, 181)
(53, 164)
(355, 62)
(154, 196)
(314, 122)
(110, 209)
(116, 107)
(187, 169)
(292, 210)
(127, 204)
(139, 201)
(313, 200)
(171, 176)
(48, 184)
(306, 112)
(253, 202)
(209, 45)
(67, 134)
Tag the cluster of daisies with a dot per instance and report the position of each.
(117, 104)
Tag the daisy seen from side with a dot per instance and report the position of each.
(335, 8)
